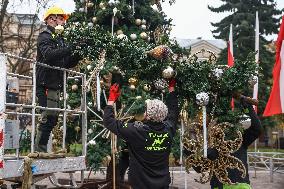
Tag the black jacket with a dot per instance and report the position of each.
(149, 145)
(52, 51)
(249, 136)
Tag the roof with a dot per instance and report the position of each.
(26, 19)
(187, 43)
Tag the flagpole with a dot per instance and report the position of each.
(231, 56)
(255, 88)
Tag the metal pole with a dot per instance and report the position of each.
(84, 116)
(64, 107)
(3, 77)
(271, 169)
(34, 108)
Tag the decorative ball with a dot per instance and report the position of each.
(118, 32)
(82, 1)
(245, 121)
(138, 22)
(90, 4)
(218, 72)
(132, 82)
(90, 104)
(143, 21)
(90, 131)
(111, 2)
(90, 24)
(94, 19)
(160, 84)
(168, 73)
(81, 9)
(74, 87)
(59, 29)
(253, 80)
(143, 27)
(147, 87)
(138, 97)
(89, 67)
(160, 52)
(102, 5)
(129, 7)
(122, 36)
(143, 35)
(133, 36)
(202, 99)
(77, 129)
(92, 142)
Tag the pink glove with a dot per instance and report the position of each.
(114, 92)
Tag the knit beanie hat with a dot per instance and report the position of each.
(156, 110)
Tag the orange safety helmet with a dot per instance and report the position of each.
(56, 11)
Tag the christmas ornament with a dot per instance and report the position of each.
(89, 67)
(94, 19)
(143, 27)
(82, 1)
(160, 84)
(102, 5)
(202, 99)
(218, 72)
(253, 80)
(81, 9)
(90, 5)
(143, 21)
(90, 24)
(118, 32)
(147, 87)
(132, 82)
(168, 73)
(77, 129)
(138, 22)
(133, 36)
(74, 87)
(90, 104)
(111, 2)
(59, 29)
(143, 35)
(122, 36)
(160, 52)
(92, 142)
(90, 131)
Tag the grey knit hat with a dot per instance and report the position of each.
(156, 110)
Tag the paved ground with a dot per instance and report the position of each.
(261, 181)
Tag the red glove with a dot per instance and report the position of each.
(114, 92)
(172, 82)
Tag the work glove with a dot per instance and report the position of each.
(114, 92)
(172, 82)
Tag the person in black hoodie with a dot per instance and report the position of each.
(51, 50)
(149, 142)
(249, 136)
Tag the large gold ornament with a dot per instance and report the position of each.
(216, 139)
(132, 82)
(160, 52)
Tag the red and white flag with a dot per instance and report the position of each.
(231, 56)
(275, 104)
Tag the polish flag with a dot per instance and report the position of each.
(275, 104)
(231, 56)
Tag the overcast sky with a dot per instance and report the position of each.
(191, 17)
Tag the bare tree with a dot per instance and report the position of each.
(18, 33)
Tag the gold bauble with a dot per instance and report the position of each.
(160, 52)
(90, 4)
(118, 32)
(138, 22)
(144, 35)
(132, 83)
(102, 5)
(77, 129)
(74, 87)
(147, 87)
(94, 19)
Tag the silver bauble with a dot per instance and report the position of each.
(160, 84)
(138, 22)
(168, 73)
(143, 21)
(253, 80)
(144, 35)
(133, 36)
(118, 32)
(74, 87)
(94, 19)
(202, 99)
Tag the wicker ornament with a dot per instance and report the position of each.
(160, 52)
